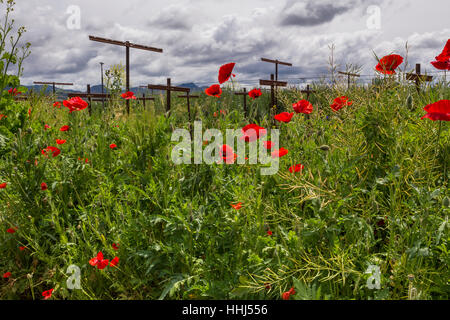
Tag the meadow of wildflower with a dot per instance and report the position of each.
(372, 189)
(92, 205)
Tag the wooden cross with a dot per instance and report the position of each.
(127, 45)
(272, 83)
(54, 84)
(143, 99)
(89, 96)
(188, 97)
(349, 75)
(245, 94)
(276, 62)
(307, 91)
(168, 88)
(418, 77)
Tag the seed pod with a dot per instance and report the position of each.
(409, 102)
(446, 202)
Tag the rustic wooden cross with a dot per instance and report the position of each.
(245, 94)
(168, 88)
(54, 84)
(418, 77)
(90, 96)
(349, 75)
(188, 97)
(307, 91)
(272, 83)
(127, 45)
(144, 98)
(276, 62)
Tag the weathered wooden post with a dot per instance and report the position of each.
(127, 45)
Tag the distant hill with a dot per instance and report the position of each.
(62, 92)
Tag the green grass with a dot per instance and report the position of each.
(180, 238)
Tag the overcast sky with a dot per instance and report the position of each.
(198, 36)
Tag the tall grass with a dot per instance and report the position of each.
(374, 191)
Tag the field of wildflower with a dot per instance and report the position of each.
(363, 185)
(92, 205)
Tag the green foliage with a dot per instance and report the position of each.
(373, 191)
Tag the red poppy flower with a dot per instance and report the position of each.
(285, 117)
(99, 261)
(286, 295)
(29, 112)
(441, 65)
(128, 95)
(3, 116)
(225, 72)
(14, 92)
(215, 114)
(44, 186)
(279, 153)
(57, 104)
(7, 275)
(46, 127)
(252, 132)
(388, 64)
(445, 54)
(223, 112)
(75, 104)
(11, 230)
(340, 102)
(3, 185)
(22, 248)
(255, 93)
(268, 145)
(214, 91)
(115, 246)
(113, 146)
(114, 262)
(55, 151)
(47, 294)
(227, 154)
(303, 106)
(64, 128)
(269, 233)
(236, 206)
(381, 223)
(58, 141)
(438, 111)
(297, 168)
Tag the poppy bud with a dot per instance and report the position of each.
(324, 148)
(409, 102)
(446, 202)
(29, 131)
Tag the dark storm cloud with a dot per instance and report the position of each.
(70, 62)
(172, 18)
(312, 13)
